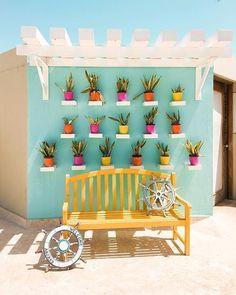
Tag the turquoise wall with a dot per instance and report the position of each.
(46, 190)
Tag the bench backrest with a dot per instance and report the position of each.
(113, 189)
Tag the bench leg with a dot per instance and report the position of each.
(187, 239)
(175, 233)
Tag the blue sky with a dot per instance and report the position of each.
(156, 15)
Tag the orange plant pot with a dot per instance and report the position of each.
(95, 96)
(137, 161)
(48, 162)
(176, 129)
(68, 128)
(148, 96)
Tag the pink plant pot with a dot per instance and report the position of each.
(150, 129)
(68, 95)
(94, 128)
(78, 160)
(122, 96)
(194, 160)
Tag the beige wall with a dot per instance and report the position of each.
(13, 133)
(234, 141)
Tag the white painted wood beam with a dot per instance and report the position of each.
(166, 39)
(114, 37)
(32, 36)
(60, 37)
(42, 69)
(201, 79)
(140, 38)
(194, 38)
(221, 38)
(86, 37)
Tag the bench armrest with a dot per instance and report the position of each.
(65, 211)
(187, 206)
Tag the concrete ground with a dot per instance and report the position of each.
(127, 262)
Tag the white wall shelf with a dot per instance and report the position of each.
(123, 103)
(47, 169)
(64, 135)
(122, 136)
(136, 167)
(78, 167)
(95, 103)
(107, 167)
(194, 167)
(166, 167)
(150, 136)
(150, 103)
(68, 102)
(180, 135)
(177, 103)
(95, 135)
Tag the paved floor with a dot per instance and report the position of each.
(127, 262)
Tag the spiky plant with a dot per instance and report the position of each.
(123, 121)
(149, 84)
(138, 147)
(69, 121)
(177, 89)
(150, 117)
(163, 149)
(78, 147)
(96, 121)
(47, 150)
(107, 148)
(69, 84)
(93, 82)
(174, 118)
(193, 150)
(122, 85)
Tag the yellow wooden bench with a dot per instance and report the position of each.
(112, 199)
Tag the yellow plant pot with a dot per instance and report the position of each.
(106, 161)
(123, 129)
(164, 160)
(177, 96)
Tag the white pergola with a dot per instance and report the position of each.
(194, 50)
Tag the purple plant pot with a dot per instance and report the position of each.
(194, 160)
(94, 128)
(122, 96)
(78, 160)
(68, 95)
(150, 129)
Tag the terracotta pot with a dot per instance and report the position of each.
(176, 128)
(95, 96)
(164, 160)
(94, 128)
(194, 160)
(78, 160)
(150, 129)
(148, 96)
(123, 129)
(68, 128)
(137, 160)
(68, 95)
(106, 161)
(122, 96)
(48, 162)
(177, 96)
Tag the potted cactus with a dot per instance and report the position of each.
(68, 91)
(122, 85)
(106, 150)
(193, 151)
(164, 153)
(149, 86)
(137, 157)
(68, 125)
(95, 123)
(123, 127)
(78, 148)
(175, 122)
(94, 93)
(48, 151)
(149, 120)
(177, 93)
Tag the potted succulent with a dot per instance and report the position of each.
(177, 93)
(123, 127)
(137, 157)
(175, 122)
(193, 151)
(95, 123)
(94, 93)
(48, 151)
(106, 150)
(122, 85)
(149, 119)
(78, 148)
(68, 92)
(149, 86)
(68, 127)
(164, 153)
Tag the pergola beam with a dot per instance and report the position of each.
(32, 36)
(60, 37)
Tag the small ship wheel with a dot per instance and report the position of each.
(63, 246)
